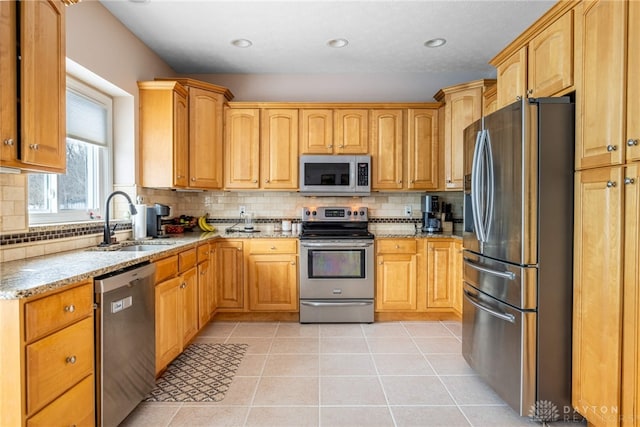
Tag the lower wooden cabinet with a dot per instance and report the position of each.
(230, 274)
(73, 408)
(272, 275)
(444, 282)
(396, 275)
(206, 283)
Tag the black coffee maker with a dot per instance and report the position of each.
(154, 219)
(431, 214)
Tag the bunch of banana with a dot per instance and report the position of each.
(204, 225)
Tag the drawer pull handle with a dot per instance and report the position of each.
(273, 248)
(632, 142)
(611, 148)
(611, 184)
(397, 246)
(69, 308)
(71, 360)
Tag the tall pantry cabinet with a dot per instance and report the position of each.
(606, 319)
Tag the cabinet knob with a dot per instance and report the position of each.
(71, 360)
(266, 181)
(255, 181)
(293, 263)
(183, 285)
(611, 184)
(399, 181)
(341, 146)
(179, 177)
(69, 308)
(193, 178)
(273, 248)
(330, 145)
(397, 246)
(529, 91)
(632, 142)
(9, 141)
(628, 180)
(381, 263)
(413, 181)
(239, 249)
(34, 146)
(612, 147)
(202, 273)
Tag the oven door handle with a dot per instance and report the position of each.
(335, 245)
(474, 301)
(336, 303)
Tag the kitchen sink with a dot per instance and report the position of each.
(133, 246)
(139, 248)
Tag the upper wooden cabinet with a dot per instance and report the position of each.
(422, 166)
(316, 131)
(199, 165)
(242, 148)
(633, 87)
(463, 106)
(540, 62)
(164, 134)
(387, 144)
(351, 128)
(279, 149)
(33, 101)
(490, 100)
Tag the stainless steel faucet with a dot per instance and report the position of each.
(107, 231)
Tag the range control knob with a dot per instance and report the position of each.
(307, 213)
(355, 213)
(362, 213)
(314, 213)
(348, 213)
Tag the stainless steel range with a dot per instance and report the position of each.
(336, 266)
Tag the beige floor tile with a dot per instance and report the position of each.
(151, 415)
(392, 345)
(351, 391)
(449, 364)
(495, 416)
(209, 340)
(293, 330)
(454, 327)
(391, 329)
(251, 365)
(346, 364)
(358, 416)
(431, 416)
(470, 390)
(287, 391)
(434, 345)
(240, 392)
(405, 390)
(343, 345)
(291, 365)
(341, 330)
(256, 345)
(255, 330)
(294, 346)
(427, 329)
(218, 329)
(402, 364)
(283, 416)
(207, 415)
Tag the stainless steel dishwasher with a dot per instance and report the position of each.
(125, 341)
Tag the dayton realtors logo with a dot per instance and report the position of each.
(544, 411)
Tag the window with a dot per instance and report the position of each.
(77, 194)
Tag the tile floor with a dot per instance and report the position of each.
(383, 374)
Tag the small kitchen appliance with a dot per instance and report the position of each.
(154, 219)
(431, 222)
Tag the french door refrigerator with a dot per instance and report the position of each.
(518, 234)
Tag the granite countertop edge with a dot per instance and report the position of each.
(34, 276)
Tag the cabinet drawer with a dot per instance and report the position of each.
(57, 362)
(48, 314)
(404, 246)
(203, 252)
(275, 246)
(166, 268)
(187, 259)
(74, 408)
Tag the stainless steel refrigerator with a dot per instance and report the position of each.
(518, 235)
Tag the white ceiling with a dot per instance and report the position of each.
(385, 36)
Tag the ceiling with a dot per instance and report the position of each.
(385, 36)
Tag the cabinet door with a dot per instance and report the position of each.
(279, 149)
(180, 141)
(168, 322)
(205, 293)
(396, 282)
(456, 276)
(272, 282)
(551, 58)
(512, 78)
(316, 131)
(205, 139)
(42, 84)
(462, 109)
(386, 149)
(441, 272)
(8, 85)
(351, 131)
(74, 408)
(189, 287)
(422, 149)
(230, 275)
(597, 304)
(490, 100)
(601, 32)
(242, 148)
(633, 86)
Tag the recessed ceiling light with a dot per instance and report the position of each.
(337, 43)
(241, 43)
(435, 42)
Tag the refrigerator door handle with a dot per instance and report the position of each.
(475, 187)
(488, 213)
(504, 274)
(480, 306)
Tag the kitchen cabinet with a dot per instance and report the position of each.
(387, 145)
(164, 134)
(32, 117)
(272, 275)
(422, 168)
(279, 149)
(540, 61)
(242, 148)
(230, 263)
(316, 131)
(444, 284)
(396, 275)
(463, 106)
(490, 99)
(351, 131)
(206, 283)
(47, 358)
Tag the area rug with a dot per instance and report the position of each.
(202, 373)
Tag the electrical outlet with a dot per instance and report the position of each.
(407, 210)
(243, 210)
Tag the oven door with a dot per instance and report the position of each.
(332, 269)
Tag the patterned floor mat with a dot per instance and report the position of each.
(202, 373)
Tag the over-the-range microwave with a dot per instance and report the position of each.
(335, 175)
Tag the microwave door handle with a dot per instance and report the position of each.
(495, 313)
(475, 188)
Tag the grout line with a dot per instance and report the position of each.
(384, 392)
